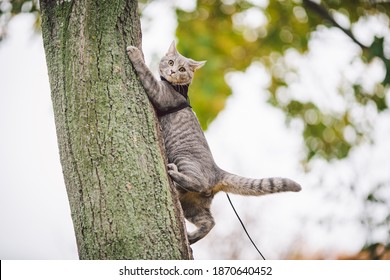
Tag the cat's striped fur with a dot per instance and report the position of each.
(191, 165)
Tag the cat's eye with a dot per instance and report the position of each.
(170, 63)
(182, 69)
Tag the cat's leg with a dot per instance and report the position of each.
(151, 85)
(204, 222)
(191, 184)
(159, 97)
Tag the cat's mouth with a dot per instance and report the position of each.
(173, 80)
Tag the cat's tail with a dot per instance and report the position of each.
(245, 186)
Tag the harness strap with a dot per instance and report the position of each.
(173, 110)
(182, 90)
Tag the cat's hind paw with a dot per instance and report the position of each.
(174, 172)
(172, 167)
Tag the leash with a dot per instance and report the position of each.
(243, 226)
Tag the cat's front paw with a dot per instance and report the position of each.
(134, 53)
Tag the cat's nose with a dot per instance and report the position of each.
(172, 72)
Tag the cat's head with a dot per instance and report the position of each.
(178, 69)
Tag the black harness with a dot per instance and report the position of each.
(183, 91)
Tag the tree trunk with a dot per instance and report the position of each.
(123, 205)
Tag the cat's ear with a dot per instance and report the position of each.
(195, 65)
(172, 49)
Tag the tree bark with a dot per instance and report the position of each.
(123, 205)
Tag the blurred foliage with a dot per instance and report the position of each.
(218, 31)
(10, 8)
(232, 34)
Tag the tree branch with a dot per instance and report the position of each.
(324, 13)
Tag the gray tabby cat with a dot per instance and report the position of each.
(191, 165)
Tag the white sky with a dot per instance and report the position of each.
(249, 138)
